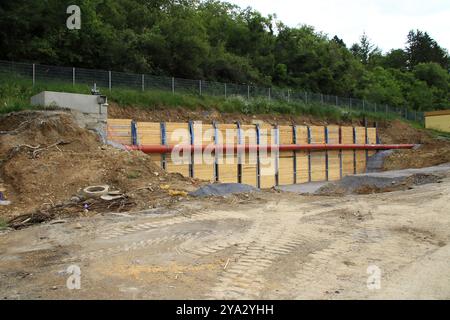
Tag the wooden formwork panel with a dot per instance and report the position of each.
(204, 162)
(227, 134)
(173, 166)
(178, 134)
(286, 159)
(318, 158)
(334, 165)
(286, 168)
(302, 134)
(318, 166)
(347, 135)
(360, 155)
(360, 161)
(334, 159)
(285, 134)
(249, 160)
(228, 161)
(149, 133)
(348, 165)
(360, 135)
(119, 130)
(302, 159)
(348, 156)
(267, 159)
(228, 169)
(317, 135)
(372, 139)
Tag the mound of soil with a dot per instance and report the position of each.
(47, 159)
(431, 151)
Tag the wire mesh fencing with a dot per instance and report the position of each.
(108, 80)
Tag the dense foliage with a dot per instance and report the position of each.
(219, 41)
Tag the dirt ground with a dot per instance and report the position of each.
(46, 159)
(261, 246)
(151, 245)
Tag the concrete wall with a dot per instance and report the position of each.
(438, 122)
(83, 103)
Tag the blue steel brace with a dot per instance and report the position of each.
(134, 138)
(258, 163)
(340, 153)
(216, 154)
(309, 154)
(294, 137)
(164, 143)
(277, 156)
(376, 132)
(354, 151)
(366, 140)
(239, 155)
(326, 156)
(191, 137)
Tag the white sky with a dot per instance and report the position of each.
(386, 22)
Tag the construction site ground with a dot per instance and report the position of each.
(260, 246)
(158, 243)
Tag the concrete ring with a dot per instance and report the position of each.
(96, 191)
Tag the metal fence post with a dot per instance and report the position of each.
(143, 82)
(248, 92)
(337, 101)
(225, 90)
(364, 105)
(73, 76)
(200, 86)
(34, 74)
(173, 85)
(109, 80)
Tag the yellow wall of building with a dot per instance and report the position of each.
(441, 123)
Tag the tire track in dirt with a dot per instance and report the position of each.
(342, 266)
(141, 227)
(137, 245)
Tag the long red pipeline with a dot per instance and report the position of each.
(159, 149)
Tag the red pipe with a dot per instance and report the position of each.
(159, 149)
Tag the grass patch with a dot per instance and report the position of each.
(134, 174)
(15, 94)
(3, 224)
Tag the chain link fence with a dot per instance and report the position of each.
(111, 79)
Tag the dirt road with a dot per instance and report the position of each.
(270, 246)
